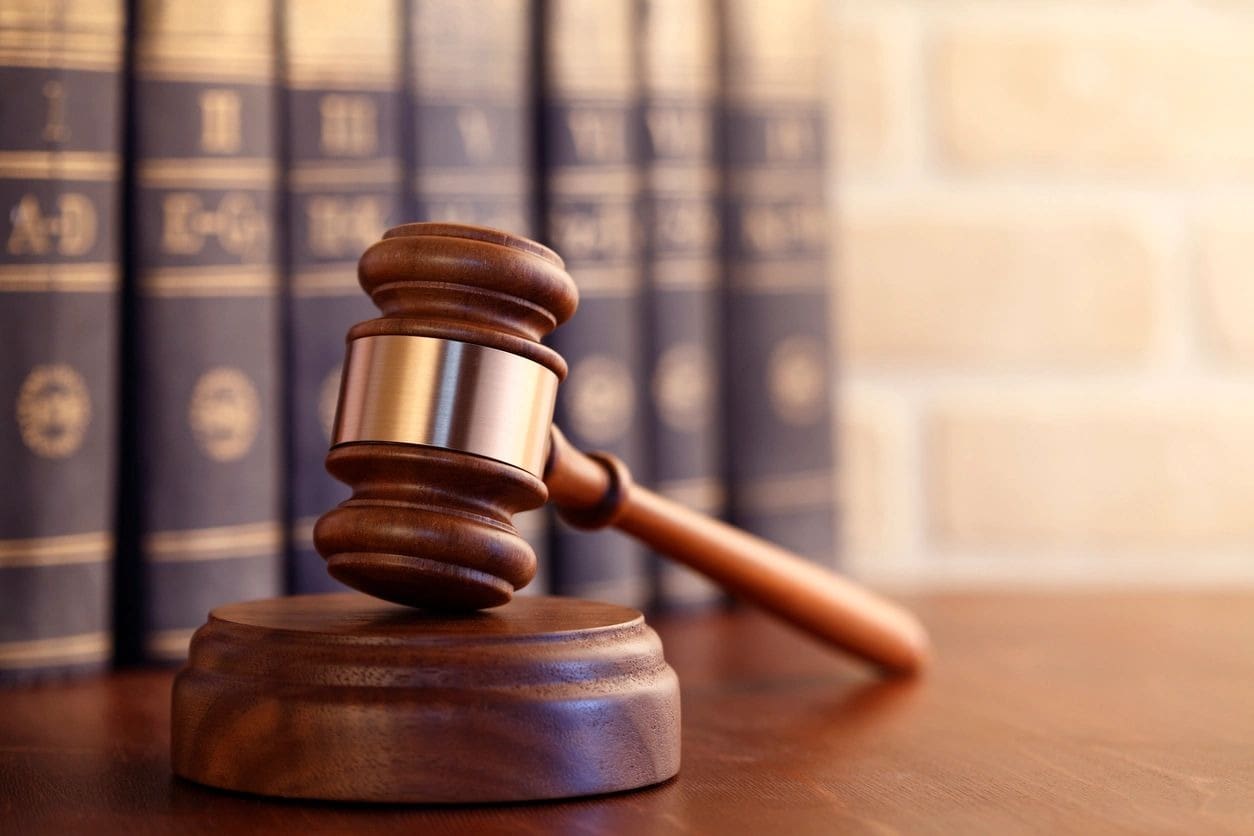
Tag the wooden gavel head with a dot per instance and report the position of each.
(445, 407)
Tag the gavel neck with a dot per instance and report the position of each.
(596, 490)
(589, 490)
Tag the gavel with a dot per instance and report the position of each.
(444, 432)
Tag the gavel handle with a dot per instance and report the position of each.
(594, 491)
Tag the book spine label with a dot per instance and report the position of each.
(60, 165)
(341, 69)
(678, 71)
(207, 313)
(778, 347)
(471, 117)
(592, 193)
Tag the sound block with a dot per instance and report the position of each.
(348, 698)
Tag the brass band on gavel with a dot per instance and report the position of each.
(447, 394)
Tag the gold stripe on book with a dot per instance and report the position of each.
(772, 181)
(310, 175)
(236, 68)
(91, 547)
(205, 42)
(104, 61)
(94, 277)
(327, 280)
(590, 49)
(211, 280)
(63, 650)
(701, 494)
(683, 178)
(168, 645)
(681, 272)
(259, 172)
(342, 43)
(506, 182)
(61, 165)
(56, 35)
(342, 75)
(793, 491)
(220, 542)
(600, 279)
(603, 183)
(794, 275)
(81, 17)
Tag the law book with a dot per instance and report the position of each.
(205, 495)
(60, 166)
(679, 84)
(590, 201)
(470, 121)
(342, 110)
(777, 332)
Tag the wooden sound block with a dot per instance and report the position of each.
(348, 698)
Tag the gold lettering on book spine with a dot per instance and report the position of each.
(235, 222)
(70, 229)
(55, 129)
(343, 226)
(220, 123)
(349, 125)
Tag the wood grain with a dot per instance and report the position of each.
(347, 698)
(433, 528)
(593, 491)
(1043, 714)
(430, 527)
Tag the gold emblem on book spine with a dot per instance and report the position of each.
(600, 399)
(795, 380)
(224, 413)
(53, 411)
(681, 387)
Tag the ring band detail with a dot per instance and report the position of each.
(449, 394)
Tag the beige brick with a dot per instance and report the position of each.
(1226, 283)
(873, 481)
(1128, 97)
(1087, 469)
(994, 287)
(867, 100)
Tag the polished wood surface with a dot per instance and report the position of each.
(347, 698)
(596, 491)
(1042, 714)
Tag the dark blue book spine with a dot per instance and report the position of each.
(778, 345)
(591, 199)
(60, 165)
(205, 274)
(344, 185)
(679, 78)
(471, 115)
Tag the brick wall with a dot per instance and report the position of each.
(1045, 289)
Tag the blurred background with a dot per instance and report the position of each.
(1030, 222)
(1042, 247)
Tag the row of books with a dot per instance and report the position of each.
(188, 186)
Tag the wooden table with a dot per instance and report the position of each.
(1043, 714)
